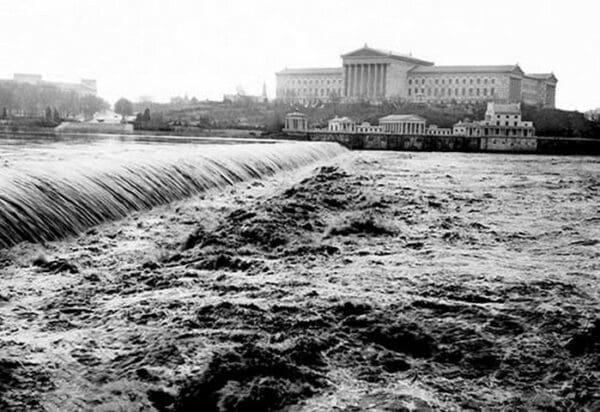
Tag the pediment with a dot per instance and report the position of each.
(366, 52)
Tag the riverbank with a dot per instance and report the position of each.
(474, 144)
(379, 281)
(50, 131)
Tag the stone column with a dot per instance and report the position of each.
(369, 79)
(361, 81)
(376, 80)
(345, 80)
(369, 76)
(384, 80)
(353, 78)
(372, 84)
(356, 77)
(365, 80)
(350, 80)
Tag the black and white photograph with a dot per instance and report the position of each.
(299, 206)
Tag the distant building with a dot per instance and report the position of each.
(241, 96)
(593, 115)
(85, 87)
(403, 124)
(306, 85)
(539, 89)
(434, 130)
(373, 75)
(501, 120)
(341, 124)
(366, 127)
(466, 128)
(505, 120)
(295, 122)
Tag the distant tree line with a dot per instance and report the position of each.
(28, 100)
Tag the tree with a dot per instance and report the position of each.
(4, 113)
(48, 115)
(124, 107)
(56, 115)
(91, 104)
(146, 115)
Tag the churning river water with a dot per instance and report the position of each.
(50, 188)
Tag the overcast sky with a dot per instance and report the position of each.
(206, 48)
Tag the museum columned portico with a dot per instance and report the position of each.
(365, 80)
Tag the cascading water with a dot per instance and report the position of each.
(51, 199)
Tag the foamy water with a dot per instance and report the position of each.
(48, 191)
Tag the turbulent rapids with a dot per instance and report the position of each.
(48, 200)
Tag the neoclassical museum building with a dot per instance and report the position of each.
(373, 75)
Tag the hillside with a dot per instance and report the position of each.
(269, 116)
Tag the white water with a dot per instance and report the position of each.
(48, 193)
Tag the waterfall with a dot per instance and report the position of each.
(53, 198)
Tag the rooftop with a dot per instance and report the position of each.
(510, 108)
(313, 70)
(368, 52)
(295, 114)
(468, 69)
(402, 118)
(342, 120)
(541, 76)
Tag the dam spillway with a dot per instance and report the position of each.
(47, 195)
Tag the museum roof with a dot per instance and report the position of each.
(401, 118)
(541, 76)
(468, 69)
(312, 70)
(368, 52)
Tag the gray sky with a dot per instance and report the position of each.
(206, 48)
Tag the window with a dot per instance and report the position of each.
(422, 91)
(464, 81)
(492, 91)
(470, 92)
(428, 91)
(463, 91)
(470, 81)
(436, 81)
(493, 81)
(449, 81)
(409, 92)
(443, 81)
(485, 81)
(422, 81)
(478, 80)
(485, 92)
(410, 81)
(456, 92)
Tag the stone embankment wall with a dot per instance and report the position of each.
(73, 127)
(379, 141)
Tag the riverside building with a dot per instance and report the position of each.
(373, 75)
(83, 88)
